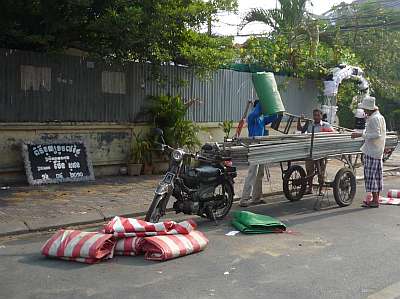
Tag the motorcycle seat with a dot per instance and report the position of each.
(208, 171)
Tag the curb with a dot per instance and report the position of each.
(99, 220)
(137, 214)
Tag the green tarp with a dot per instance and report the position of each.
(250, 223)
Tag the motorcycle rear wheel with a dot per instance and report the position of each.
(221, 212)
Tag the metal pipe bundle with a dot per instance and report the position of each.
(273, 149)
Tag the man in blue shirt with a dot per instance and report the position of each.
(252, 189)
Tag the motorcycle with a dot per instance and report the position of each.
(205, 190)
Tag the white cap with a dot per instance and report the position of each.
(368, 103)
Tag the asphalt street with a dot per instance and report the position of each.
(336, 252)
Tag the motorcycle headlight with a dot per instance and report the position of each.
(177, 155)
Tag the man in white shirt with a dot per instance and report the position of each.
(373, 148)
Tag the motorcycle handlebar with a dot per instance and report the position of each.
(165, 147)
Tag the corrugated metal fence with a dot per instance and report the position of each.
(38, 87)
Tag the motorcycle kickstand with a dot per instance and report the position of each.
(212, 216)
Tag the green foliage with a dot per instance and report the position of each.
(274, 54)
(185, 134)
(166, 110)
(347, 91)
(362, 35)
(226, 126)
(394, 120)
(157, 31)
(293, 47)
(206, 52)
(288, 20)
(168, 113)
(369, 32)
(140, 148)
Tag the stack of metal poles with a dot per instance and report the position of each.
(273, 149)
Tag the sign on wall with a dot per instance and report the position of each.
(57, 162)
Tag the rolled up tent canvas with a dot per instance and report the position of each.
(267, 92)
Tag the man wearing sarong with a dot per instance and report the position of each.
(373, 148)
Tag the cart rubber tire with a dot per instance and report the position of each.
(344, 178)
(303, 185)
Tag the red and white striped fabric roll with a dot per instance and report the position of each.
(129, 227)
(162, 248)
(393, 193)
(389, 201)
(384, 200)
(129, 246)
(75, 245)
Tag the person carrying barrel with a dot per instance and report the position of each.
(320, 126)
(252, 189)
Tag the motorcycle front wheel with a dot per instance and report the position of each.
(155, 211)
(222, 209)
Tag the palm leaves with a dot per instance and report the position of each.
(291, 20)
(286, 19)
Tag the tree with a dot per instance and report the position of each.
(157, 31)
(273, 54)
(292, 47)
(291, 20)
(371, 31)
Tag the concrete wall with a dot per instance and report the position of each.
(109, 144)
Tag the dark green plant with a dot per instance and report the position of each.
(166, 110)
(347, 90)
(394, 120)
(168, 113)
(140, 148)
(185, 134)
(226, 126)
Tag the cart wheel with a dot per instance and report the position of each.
(294, 183)
(344, 187)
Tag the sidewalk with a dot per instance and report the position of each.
(32, 208)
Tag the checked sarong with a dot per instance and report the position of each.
(373, 174)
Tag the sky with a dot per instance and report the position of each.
(228, 22)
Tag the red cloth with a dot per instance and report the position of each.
(75, 245)
(128, 227)
(384, 200)
(162, 248)
(327, 130)
(393, 193)
(129, 246)
(389, 201)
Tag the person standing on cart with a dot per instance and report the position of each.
(252, 189)
(319, 126)
(373, 149)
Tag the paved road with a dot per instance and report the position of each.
(334, 253)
